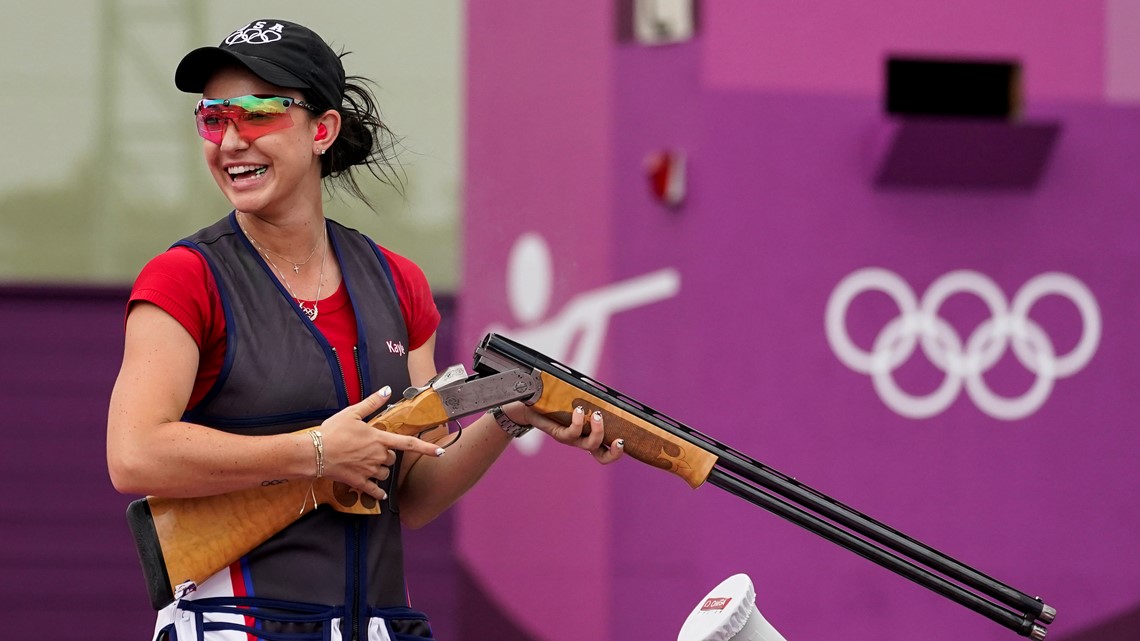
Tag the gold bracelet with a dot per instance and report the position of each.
(319, 446)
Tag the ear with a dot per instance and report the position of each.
(325, 129)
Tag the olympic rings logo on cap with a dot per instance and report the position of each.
(255, 33)
(964, 364)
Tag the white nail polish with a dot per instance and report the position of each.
(439, 451)
(385, 391)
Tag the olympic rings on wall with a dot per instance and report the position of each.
(918, 325)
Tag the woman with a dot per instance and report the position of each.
(275, 319)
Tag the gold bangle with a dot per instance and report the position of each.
(319, 446)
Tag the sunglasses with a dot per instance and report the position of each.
(254, 116)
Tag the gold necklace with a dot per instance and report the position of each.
(296, 266)
(310, 313)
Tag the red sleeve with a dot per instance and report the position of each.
(180, 283)
(421, 316)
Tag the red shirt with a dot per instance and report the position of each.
(180, 282)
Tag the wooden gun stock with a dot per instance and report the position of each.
(190, 539)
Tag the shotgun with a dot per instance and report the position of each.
(181, 540)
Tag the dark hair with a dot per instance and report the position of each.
(364, 139)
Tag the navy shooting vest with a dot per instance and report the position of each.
(280, 375)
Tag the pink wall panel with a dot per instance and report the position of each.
(1122, 51)
(537, 149)
(838, 47)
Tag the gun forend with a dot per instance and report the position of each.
(650, 437)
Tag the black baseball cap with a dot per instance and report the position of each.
(277, 51)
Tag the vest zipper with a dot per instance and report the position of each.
(340, 370)
(356, 578)
(359, 370)
(357, 542)
(356, 524)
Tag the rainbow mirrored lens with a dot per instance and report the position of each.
(254, 116)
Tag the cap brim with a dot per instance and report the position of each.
(198, 66)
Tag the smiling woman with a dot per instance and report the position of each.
(253, 346)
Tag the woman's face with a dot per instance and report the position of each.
(271, 174)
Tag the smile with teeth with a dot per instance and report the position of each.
(246, 172)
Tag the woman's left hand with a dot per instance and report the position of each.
(575, 433)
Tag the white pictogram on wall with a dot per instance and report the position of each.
(575, 334)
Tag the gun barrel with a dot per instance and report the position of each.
(783, 495)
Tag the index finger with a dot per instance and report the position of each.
(370, 404)
(412, 444)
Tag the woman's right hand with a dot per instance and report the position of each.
(361, 456)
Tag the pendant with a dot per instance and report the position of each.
(311, 313)
(296, 268)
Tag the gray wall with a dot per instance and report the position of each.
(102, 166)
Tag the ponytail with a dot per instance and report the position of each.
(364, 140)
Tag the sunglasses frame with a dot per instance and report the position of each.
(234, 111)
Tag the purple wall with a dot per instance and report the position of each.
(782, 207)
(68, 559)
